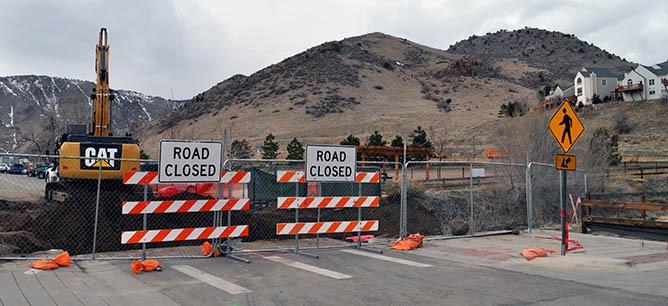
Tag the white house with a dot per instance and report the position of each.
(559, 93)
(590, 81)
(644, 83)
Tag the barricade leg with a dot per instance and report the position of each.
(296, 250)
(228, 250)
(359, 230)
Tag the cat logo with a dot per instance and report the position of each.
(100, 156)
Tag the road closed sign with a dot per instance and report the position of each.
(190, 161)
(330, 163)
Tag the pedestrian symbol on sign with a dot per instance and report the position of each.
(566, 122)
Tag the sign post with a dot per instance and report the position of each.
(566, 128)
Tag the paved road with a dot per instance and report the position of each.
(338, 277)
(15, 187)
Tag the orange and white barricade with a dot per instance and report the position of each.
(326, 202)
(217, 206)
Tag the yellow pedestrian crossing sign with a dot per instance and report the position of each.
(565, 126)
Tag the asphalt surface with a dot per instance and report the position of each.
(338, 277)
(20, 187)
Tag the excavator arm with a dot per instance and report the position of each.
(101, 114)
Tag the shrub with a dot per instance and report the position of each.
(595, 99)
(622, 123)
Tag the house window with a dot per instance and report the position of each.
(651, 92)
(651, 82)
(580, 91)
(629, 82)
(604, 82)
(579, 81)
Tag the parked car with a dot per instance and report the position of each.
(4, 167)
(33, 172)
(40, 171)
(17, 169)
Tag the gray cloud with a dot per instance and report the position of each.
(188, 46)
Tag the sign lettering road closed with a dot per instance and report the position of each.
(330, 163)
(190, 161)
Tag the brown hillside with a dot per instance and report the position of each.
(560, 54)
(357, 85)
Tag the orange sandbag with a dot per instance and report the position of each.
(136, 266)
(405, 245)
(63, 259)
(207, 249)
(44, 264)
(151, 265)
(413, 241)
(146, 265)
(532, 253)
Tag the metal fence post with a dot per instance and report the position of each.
(296, 218)
(403, 224)
(143, 245)
(97, 206)
(471, 194)
(359, 218)
(529, 198)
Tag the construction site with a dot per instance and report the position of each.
(370, 170)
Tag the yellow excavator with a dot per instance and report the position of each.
(92, 153)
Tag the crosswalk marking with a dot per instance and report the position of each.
(387, 258)
(211, 280)
(306, 267)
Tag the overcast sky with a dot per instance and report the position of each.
(187, 46)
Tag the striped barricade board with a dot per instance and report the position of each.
(149, 178)
(183, 206)
(300, 177)
(327, 202)
(326, 227)
(182, 234)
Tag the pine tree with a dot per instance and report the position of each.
(270, 147)
(351, 140)
(295, 150)
(419, 138)
(376, 139)
(240, 149)
(398, 141)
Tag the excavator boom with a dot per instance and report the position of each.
(101, 121)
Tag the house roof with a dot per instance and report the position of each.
(659, 70)
(600, 72)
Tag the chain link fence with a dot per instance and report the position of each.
(272, 179)
(459, 198)
(437, 198)
(545, 194)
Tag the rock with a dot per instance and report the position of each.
(458, 227)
